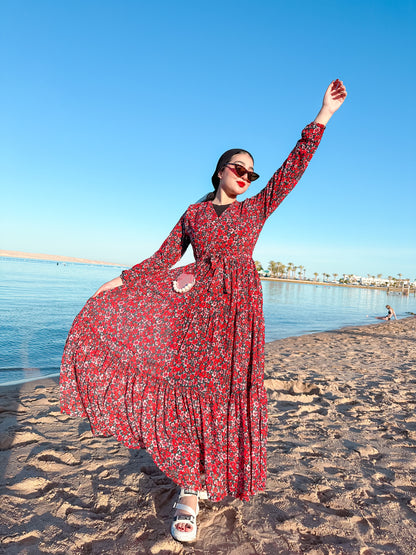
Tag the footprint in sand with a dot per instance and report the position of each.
(325, 494)
(310, 411)
(294, 387)
(32, 487)
(53, 460)
(18, 439)
(40, 420)
(300, 482)
(156, 476)
(365, 524)
(225, 519)
(9, 407)
(38, 401)
(369, 452)
(26, 539)
(365, 451)
(300, 387)
(384, 477)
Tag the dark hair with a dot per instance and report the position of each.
(223, 161)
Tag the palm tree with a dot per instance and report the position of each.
(316, 275)
(258, 265)
(280, 269)
(335, 276)
(289, 268)
(272, 267)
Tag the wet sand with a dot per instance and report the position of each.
(341, 463)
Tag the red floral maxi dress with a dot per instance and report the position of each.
(181, 375)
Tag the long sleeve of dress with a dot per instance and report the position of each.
(172, 249)
(286, 177)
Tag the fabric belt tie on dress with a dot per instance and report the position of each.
(220, 277)
(220, 280)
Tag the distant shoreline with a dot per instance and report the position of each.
(328, 283)
(60, 258)
(412, 291)
(54, 258)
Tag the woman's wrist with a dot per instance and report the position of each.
(324, 116)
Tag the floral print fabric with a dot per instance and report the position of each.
(181, 375)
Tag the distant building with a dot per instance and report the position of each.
(378, 282)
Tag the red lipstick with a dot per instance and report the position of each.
(241, 184)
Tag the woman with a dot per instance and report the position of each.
(171, 360)
(390, 313)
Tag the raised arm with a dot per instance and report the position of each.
(287, 176)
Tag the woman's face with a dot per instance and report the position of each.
(230, 182)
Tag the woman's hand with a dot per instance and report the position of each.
(116, 282)
(335, 95)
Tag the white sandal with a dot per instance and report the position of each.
(188, 535)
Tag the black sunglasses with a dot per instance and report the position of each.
(241, 170)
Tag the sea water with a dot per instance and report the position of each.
(40, 299)
(301, 308)
(38, 302)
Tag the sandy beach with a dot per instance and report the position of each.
(341, 463)
(53, 257)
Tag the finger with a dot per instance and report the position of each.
(340, 98)
(339, 93)
(339, 90)
(338, 86)
(341, 86)
(339, 83)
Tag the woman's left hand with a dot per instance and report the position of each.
(335, 95)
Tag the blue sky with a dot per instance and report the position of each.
(114, 114)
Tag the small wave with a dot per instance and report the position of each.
(14, 376)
